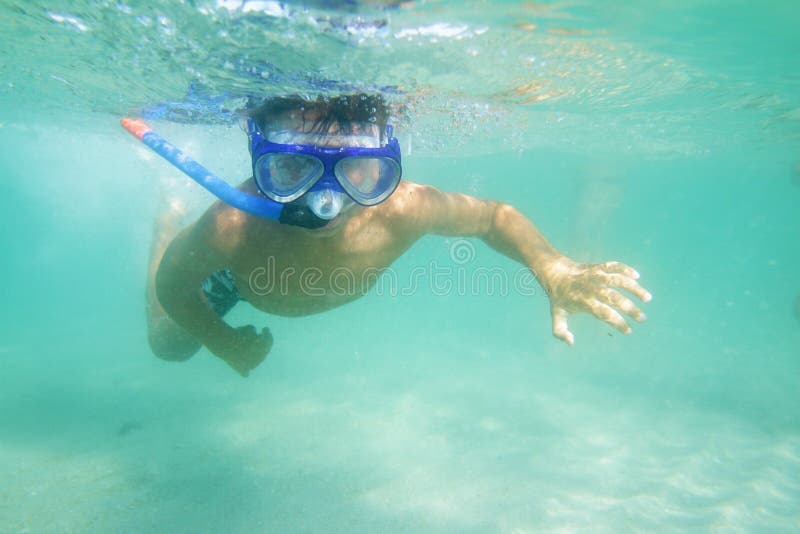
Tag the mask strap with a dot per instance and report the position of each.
(251, 128)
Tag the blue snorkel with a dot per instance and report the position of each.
(259, 206)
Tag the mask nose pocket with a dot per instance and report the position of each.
(326, 203)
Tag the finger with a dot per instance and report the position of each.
(620, 268)
(239, 368)
(622, 303)
(265, 338)
(628, 284)
(609, 315)
(560, 329)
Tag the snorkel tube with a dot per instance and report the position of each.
(261, 207)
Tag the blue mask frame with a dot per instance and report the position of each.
(329, 157)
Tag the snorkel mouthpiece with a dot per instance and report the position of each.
(298, 214)
(326, 204)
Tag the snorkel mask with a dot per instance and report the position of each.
(315, 183)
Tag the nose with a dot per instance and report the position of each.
(326, 203)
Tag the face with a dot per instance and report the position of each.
(324, 205)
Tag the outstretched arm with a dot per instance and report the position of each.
(571, 286)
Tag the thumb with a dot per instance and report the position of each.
(265, 338)
(265, 334)
(560, 328)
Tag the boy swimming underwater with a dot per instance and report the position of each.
(335, 168)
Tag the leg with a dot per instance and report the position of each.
(167, 340)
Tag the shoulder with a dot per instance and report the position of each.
(411, 199)
(421, 209)
(427, 209)
(222, 227)
(407, 205)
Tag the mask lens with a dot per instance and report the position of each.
(284, 177)
(368, 180)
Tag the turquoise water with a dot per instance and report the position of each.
(662, 134)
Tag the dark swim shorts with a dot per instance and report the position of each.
(221, 292)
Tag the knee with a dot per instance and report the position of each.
(170, 342)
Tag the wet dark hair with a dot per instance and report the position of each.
(321, 114)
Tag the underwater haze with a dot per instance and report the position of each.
(664, 134)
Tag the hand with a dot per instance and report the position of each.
(582, 287)
(246, 349)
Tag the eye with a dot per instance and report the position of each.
(367, 174)
(289, 170)
(362, 173)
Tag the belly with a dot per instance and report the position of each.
(297, 306)
(292, 292)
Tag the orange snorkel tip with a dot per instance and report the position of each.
(136, 127)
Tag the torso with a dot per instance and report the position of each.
(289, 271)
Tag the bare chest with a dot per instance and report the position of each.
(293, 273)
